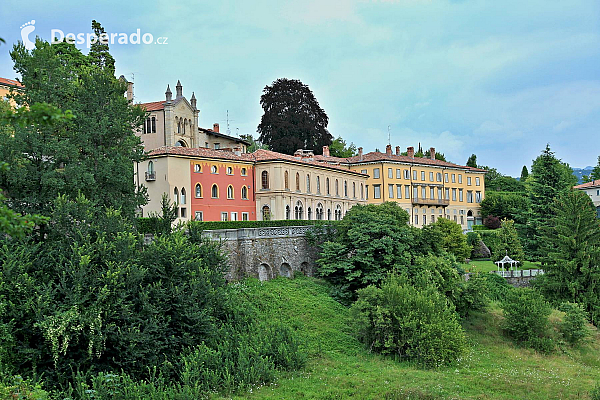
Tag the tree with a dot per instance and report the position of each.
(508, 243)
(254, 143)
(524, 173)
(549, 179)
(595, 175)
(453, 240)
(491, 175)
(505, 184)
(505, 205)
(572, 244)
(92, 154)
(472, 161)
(99, 53)
(292, 118)
(338, 148)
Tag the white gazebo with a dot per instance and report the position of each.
(507, 260)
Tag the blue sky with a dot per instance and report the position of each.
(496, 78)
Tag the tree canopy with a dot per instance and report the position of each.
(339, 148)
(472, 161)
(293, 118)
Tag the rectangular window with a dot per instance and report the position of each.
(217, 146)
(414, 175)
(440, 193)
(390, 173)
(432, 193)
(469, 180)
(367, 191)
(198, 216)
(398, 174)
(416, 220)
(363, 171)
(459, 178)
(477, 181)
(478, 197)
(223, 216)
(453, 194)
(234, 216)
(423, 192)
(469, 196)
(245, 216)
(406, 191)
(431, 177)
(415, 193)
(424, 219)
(406, 174)
(391, 191)
(438, 177)
(183, 213)
(446, 177)
(376, 191)
(423, 175)
(398, 191)
(447, 194)
(460, 195)
(376, 173)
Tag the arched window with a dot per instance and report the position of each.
(148, 126)
(298, 211)
(178, 125)
(286, 180)
(244, 193)
(266, 213)
(243, 171)
(198, 190)
(338, 212)
(329, 214)
(297, 181)
(230, 192)
(319, 211)
(265, 179)
(229, 171)
(197, 168)
(307, 183)
(354, 189)
(318, 184)
(287, 212)
(214, 192)
(345, 188)
(153, 124)
(150, 167)
(309, 213)
(180, 143)
(213, 169)
(175, 196)
(362, 191)
(327, 185)
(184, 124)
(337, 188)
(183, 196)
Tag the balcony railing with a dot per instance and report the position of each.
(150, 176)
(430, 202)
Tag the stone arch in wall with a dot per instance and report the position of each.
(285, 270)
(305, 269)
(264, 272)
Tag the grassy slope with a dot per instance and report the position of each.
(340, 368)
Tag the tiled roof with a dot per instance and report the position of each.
(10, 82)
(268, 155)
(589, 185)
(153, 106)
(376, 156)
(199, 152)
(219, 134)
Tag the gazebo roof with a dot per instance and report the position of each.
(506, 259)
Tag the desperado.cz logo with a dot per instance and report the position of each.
(57, 35)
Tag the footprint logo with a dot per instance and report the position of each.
(26, 29)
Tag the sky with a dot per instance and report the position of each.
(496, 78)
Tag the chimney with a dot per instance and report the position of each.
(168, 94)
(411, 152)
(326, 151)
(130, 92)
(179, 90)
(397, 150)
(388, 150)
(432, 153)
(216, 127)
(360, 154)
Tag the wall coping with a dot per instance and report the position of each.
(257, 233)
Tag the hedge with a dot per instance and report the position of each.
(152, 224)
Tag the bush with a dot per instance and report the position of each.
(526, 319)
(481, 251)
(492, 222)
(409, 322)
(573, 326)
(473, 295)
(497, 287)
(18, 388)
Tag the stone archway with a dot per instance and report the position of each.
(285, 270)
(305, 269)
(264, 272)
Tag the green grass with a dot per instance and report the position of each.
(487, 266)
(340, 368)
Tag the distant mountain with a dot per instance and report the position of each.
(580, 172)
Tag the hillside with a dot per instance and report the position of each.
(339, 367)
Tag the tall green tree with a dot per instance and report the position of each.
(505, 205)
(452, 238)
(339, 148)
(472, 161)
(572, 244)
(524, 173)
(91, 154)
(293, 118)
(505, 184)
(255, 144)
(595, 175)
(549, 178)
(99, 52)
(508, 243)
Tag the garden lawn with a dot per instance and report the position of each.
(340, 368)
(488, 266)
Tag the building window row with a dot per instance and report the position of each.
(214, 192)
(214, 170)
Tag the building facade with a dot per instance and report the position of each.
(426, 188)
(592, 189)
(302, 187)
(6, 85)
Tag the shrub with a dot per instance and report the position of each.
(473, 295)
(492, 222)
(453, 240)
(18, 388)
(526, 319)
(497, 287)
(409, 322)
(481, 251)
(573, 326)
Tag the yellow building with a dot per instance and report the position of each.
(5, 87)
(426, 188)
